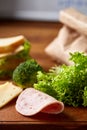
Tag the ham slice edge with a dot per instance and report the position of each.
(32, 101)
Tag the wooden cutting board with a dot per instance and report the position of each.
(40, 35)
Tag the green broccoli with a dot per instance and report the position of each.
(8, 63)
(66, 83)
(25, 74)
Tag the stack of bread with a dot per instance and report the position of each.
(72, 36)
(11, 54)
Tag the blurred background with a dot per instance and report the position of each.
(46, 10)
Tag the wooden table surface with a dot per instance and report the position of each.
(40, 34)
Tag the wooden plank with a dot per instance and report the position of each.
(40, 35)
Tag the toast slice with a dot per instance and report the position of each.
(11, 43)
(20, 48)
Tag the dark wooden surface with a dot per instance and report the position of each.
(40, 34)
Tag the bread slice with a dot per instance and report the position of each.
(74, 19)
(20, 48)
(8, 91)
(56, 49)
(11, 43)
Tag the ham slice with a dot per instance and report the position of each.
(32, 101)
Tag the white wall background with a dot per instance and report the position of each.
(38, 9)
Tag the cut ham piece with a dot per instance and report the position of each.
(32, 101)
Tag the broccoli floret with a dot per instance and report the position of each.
(8, 63)
(66, 83)
(25, 74)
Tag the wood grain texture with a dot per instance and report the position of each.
(40, 34)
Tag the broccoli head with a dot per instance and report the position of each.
(25, 73)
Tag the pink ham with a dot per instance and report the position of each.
(32, 101)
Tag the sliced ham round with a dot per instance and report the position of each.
(32, 101)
